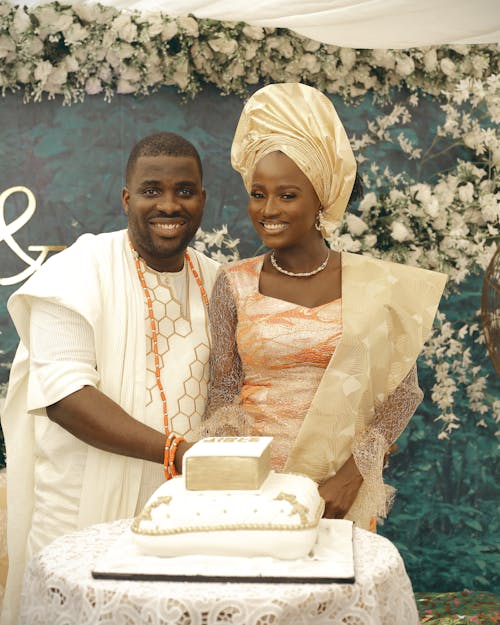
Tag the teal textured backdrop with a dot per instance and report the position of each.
(445, 519)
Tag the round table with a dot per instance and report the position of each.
(59, 589)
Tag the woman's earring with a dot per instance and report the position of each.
(317, 223)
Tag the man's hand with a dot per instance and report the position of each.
(340, 490)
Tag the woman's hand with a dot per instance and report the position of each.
(340, 490)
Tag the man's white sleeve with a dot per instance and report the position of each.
(62, 354)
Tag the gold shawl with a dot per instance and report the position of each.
(387, 315)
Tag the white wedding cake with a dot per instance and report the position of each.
(228, 502)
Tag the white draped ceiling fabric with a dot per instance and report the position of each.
(346, 23)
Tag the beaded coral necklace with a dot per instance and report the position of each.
(154, 330)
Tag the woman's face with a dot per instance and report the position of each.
(283, 204)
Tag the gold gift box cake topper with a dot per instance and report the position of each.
(227, 463)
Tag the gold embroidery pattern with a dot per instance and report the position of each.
(185, 413)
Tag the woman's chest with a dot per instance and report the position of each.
(273, 333)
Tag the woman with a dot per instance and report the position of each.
(310, 346)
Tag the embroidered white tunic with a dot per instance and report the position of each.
(52, 476)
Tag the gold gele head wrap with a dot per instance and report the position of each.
(301, 122)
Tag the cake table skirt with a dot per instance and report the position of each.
(59, 588)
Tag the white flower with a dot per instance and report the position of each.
(490, 207)
(480, 63)
(93, 86)
(131, 74)
(473, 139)
(169, 30)
(23, 73)
(311, 46)
(282, 44)
(368, 202)
(113, 58)
(75, 34)
(430, 60)
(356, 225)
(35, 46)
(218, 256)
(181, 75)
(345, 243)
(123, 86)
(311, 63)
(445, 193)
(199, 246)
(252, 77)
(155, 24)
(21, 22)
(125, 50)
(422, 192)
(7, 46)
(108, 40)
(460, 48)
(399, 232)
(414, 256)
(124, 28)
(383, 58)
(432, 207)
(250, 50)
(189, 25)
(70, 64)
(369, 241)
(447, 66)
(80, 53)
(154, 75)
(105, 73)
(52, 21)
(58, 76)
(396, 194)
(43, 71)
(413, 100)
(216, 237)
(223, 45)
(87, 12)
(254, 32)
(466, 193)
(348, 57)
(405, 65)
(235, 70)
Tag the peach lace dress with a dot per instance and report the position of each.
(267, 359)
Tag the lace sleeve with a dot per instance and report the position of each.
(371, 445)
(224, 415)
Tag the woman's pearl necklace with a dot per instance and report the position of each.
(304, 274)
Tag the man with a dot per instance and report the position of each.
(112, 358)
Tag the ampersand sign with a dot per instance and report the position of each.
(7, 230)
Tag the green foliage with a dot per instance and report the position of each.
(445, 520)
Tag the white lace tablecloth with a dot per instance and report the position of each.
(59, 589)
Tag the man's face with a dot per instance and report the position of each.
(164, 201)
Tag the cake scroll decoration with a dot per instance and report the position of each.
(146, 515)
(297, 507)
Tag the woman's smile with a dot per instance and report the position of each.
(274, 227)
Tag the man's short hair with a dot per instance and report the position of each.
(162, 144)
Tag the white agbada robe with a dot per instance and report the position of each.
(97, 279)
